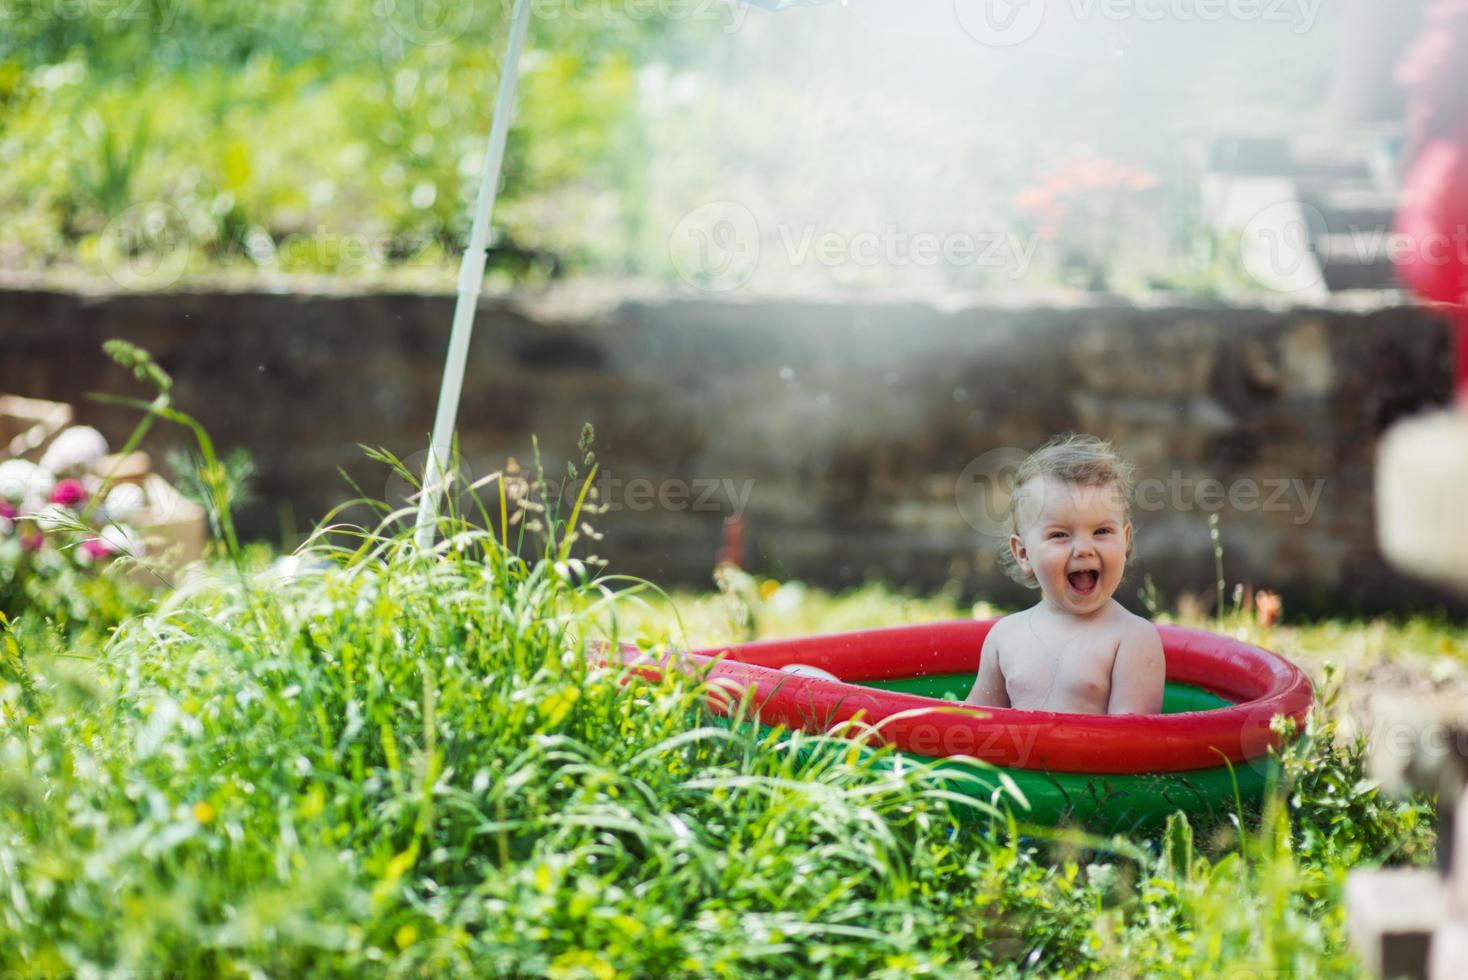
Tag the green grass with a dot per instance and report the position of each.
(407, 764)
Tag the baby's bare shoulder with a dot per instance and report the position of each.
(1002, 636)
(1130, 626)
(1006, 626)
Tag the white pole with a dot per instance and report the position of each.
(471, 280)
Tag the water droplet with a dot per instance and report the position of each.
(959, 394)
(787, 373)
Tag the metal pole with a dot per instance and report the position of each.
(471, 281)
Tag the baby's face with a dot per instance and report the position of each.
(1074, 540)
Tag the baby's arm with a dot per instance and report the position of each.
(989, 689)
(1138, 673)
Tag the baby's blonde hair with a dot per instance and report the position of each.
(1078, 460)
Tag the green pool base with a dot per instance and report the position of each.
(1098, 803)
(1105, 804)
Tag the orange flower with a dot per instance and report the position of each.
(1032, 199)
(1085, 174)
(1073, 181)
(1267, 607)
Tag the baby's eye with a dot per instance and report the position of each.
(1104, 530)
(1056, 534)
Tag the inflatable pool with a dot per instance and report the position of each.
(1207, 752)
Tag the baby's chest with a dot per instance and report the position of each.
(1080, 673)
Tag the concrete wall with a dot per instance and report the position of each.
(863, 435)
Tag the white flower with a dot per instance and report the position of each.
(23, 482)
(53, 516)
(74, 451)
(124, 502)
(123, 538)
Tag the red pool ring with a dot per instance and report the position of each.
(1261, 684)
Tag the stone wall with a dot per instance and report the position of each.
(862, 436)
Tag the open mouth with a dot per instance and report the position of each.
(1084, 583)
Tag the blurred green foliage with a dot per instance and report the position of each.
(333, 137)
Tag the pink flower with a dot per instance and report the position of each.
(98, 548)
(69, 493)
(32, 541)
(8, 511)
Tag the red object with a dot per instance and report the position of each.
(1461, 337)
(1433, 224)
(1261, 684)
(1433, 220)
(1434, 214)
(1434, 72)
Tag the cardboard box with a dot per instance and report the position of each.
(135, 467)
(174, 528)
(27, 424)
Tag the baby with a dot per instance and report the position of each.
(1077, 649)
